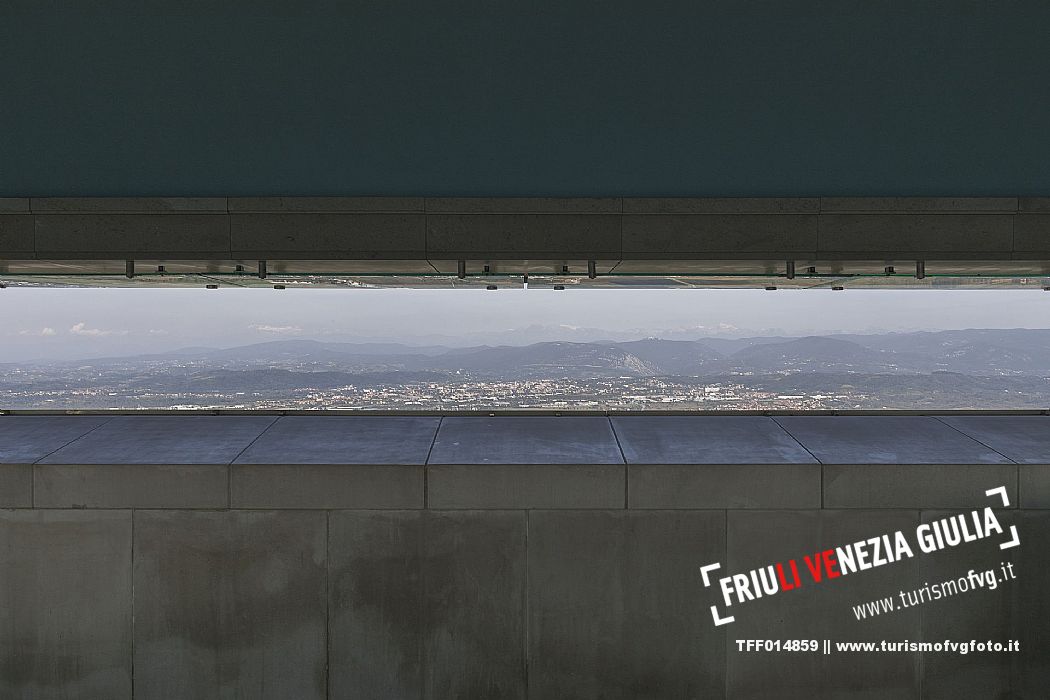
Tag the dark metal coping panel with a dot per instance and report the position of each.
(889, 438)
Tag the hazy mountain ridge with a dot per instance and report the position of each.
(978, 352)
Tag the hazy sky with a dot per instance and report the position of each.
(76, 323)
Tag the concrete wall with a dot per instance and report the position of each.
(605, 229)
(487, 562)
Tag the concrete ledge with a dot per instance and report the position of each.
(526, 440)
(326, 486)
(344, 440)
(16, 485)
(131, 486)
(723, 486)
(1022, 439)
(916, 485)
(507, 486)
(26, 439)
(707, 440)
(162, 439)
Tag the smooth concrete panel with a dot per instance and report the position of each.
(525, 486)
(14, 205)
(230, 605)
(102, 235)
(719, 234)
(915, 485)
(617, 608)
(65, 605)
(1032, 234)
(1033, 485)
(886, 440)
(975, 614)
(526, 440)
(344, 440)
(1033, 204)
(816, 610)
(528, 235)
(427, 605)
(346, 236)
(720, 205)
(1023, 439)
(251, 205)
(723, 485)
(130, 486)
(523, 205)
(16, 235)
(947, 235)
(1031, 670)
(164, 440)
(16, 485)
(326, 486)
(707, 440)
(918, 204)
(25, 439)
(127, 205)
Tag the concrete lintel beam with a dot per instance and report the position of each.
(519, 228)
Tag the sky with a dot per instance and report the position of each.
(81, 323)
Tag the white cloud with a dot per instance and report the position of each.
(82, 329)
(43, 332)
(281, 330)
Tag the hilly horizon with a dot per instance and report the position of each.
(970, 351)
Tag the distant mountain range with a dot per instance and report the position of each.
(977, 352)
